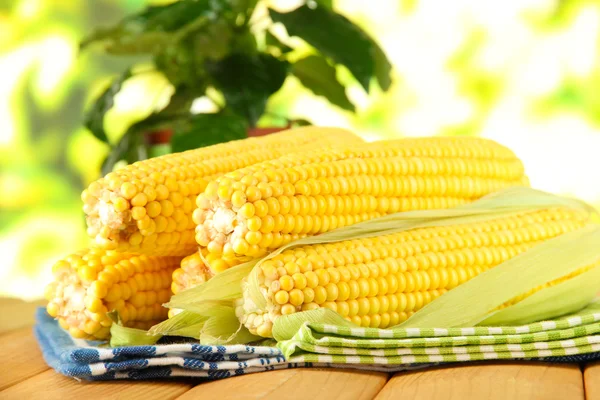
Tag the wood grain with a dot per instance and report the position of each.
(489, 381)
(50, 385)
(591, 377)
(15, 313)
(297, 383)
(20, 356)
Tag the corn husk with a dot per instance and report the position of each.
(123, 336)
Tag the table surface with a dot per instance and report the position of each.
(24, 375)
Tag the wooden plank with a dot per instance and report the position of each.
(16, 313)
(20, 356)
(296, 383)
(488, 381)
(50, 385)
(591, 377)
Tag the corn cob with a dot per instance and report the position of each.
(192, 272)
(147, 207)
(252, 211)
(92, 282)
(382, 281)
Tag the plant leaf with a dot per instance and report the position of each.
(133, 145)
(316, 74)
(273, 41)
(156, 26)
(383, 68)
(244, 7)
(247, 81)
(94, 119)
(125, 150)
(182, 62)
(345, 43)
(325, 3)
(301, 122)
(207, 129)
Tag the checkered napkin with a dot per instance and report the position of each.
(572, 339)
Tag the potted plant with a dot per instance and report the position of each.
(222, 47)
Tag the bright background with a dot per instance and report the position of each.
(523, 72)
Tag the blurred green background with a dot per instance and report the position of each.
(525, 73)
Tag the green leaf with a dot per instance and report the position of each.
(182, 63)
(207, 129)
(94, 119)
(325, 3)
(317, 75)
(158, 150)
(301, 122)
(383, 68)
(244, 7)
(130, 148)
(247, 81)
(272, 41)
(345, 43)
(133, 145)
(157, 26)
(243, 42)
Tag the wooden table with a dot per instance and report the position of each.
(24, 375)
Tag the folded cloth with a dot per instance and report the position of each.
(574, 338)
(570, 338)
(92, 360)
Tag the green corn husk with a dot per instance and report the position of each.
(123, 336)
(228, 285)
(210, 322)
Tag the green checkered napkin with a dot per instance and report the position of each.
(574, 334)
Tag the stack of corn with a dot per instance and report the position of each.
(247, 213)
(254, 196)
(147, 207)
(140, 218)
